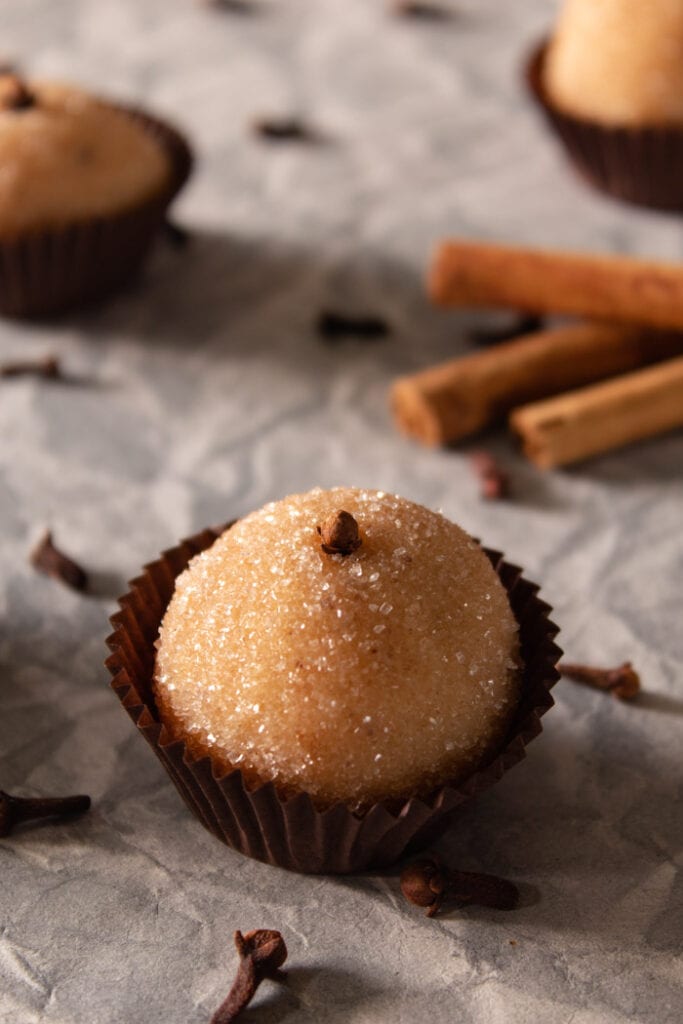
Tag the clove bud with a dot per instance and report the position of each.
(339, 534)
(48, 559)
(283, 129)
(262, 953)
(428, 883)
(334, 326)
(622, 682)
(420, 9)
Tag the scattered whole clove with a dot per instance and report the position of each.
(14, 810)
(48, 559)
(493, 480)
(429, 883)
(283, 129)
(622, 682)
(525, 323)
(335, 326)
(48, 367)
(339, 534)
(231, 6)
(262, 953)
(423, 10)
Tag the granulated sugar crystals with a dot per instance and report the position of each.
(347, 643)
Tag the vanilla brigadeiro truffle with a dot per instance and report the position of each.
(618, 62)
(346, 643)
(66, 157)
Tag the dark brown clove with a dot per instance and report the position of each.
(429, 883)
(48, 559)
(47, 367)
(335, 326)
(283, 129)
(494, 482)
(622, 682)
(262, 953)
(339, 533)
(423, 883)
(420, 10)
(232, 6)
(14, 810)
(524, 324)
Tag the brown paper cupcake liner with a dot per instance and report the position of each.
(291, 832)
(47, 272)
(637, 165)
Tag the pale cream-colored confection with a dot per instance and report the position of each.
(356, 677)
(619, 62)
(66, 157)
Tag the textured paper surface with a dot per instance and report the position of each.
(209, 394)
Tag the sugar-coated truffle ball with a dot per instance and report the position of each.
(619, 62)
(357, 658)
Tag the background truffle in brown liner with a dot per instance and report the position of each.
(291, 832)
(43, 273)
(638, 165)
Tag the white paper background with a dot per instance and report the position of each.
(213, 395)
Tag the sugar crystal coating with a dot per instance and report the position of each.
(376, 674)
(619, 62)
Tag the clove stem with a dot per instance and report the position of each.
(262, 953)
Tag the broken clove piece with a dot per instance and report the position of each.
(335, 326)
(494, 481)
(622, 682)
(47, 367)
(283, 129)
(262, 953)
(428, 883)
(48, 559)
(422, 10)
(232, 6)
(16, 809)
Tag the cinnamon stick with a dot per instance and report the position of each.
(457, 398)
(615, 288)
(596, 419)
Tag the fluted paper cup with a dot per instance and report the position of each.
(638, 165)
(290, 831)
(43, 273)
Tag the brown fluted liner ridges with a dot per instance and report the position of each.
(290, 832)
(638, 165)
(48, 272)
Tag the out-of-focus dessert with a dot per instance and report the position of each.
(619, 62)
(84, 185)
(610, 81)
